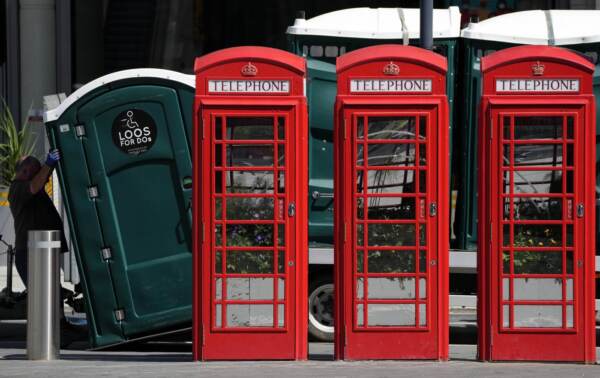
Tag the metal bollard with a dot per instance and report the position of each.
(43, 315)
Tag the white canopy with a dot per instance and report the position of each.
(377, 23)
(539, 27)
(54, 114)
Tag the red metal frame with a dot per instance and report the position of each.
(286, 337)
(426, 337)
(501, 337)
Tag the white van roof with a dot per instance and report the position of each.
(539, 27)
(377, 23)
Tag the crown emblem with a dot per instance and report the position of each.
(249, 70)
(391, 69)
(538, 69)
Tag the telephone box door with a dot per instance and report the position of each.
(251, 256)
(392, 169)
(536, 175)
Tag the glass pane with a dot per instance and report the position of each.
(391, 234)
(281, 128)
(360, 127)
(218, 288)
(281, 289)
(360, 261)
(246, 235)
(506, 316)
(218, 155)
(533, 235)
(542, 262)
(569, 289)
(249, 288)
(548, 127)
(218, 316)
(391, 208)
(360, 288)
(506, 128)
(391, 181)
(422, 181)
(250, 315)
(422, 154)
(422, 128)
(537, 316)
(218, 182)
(360, 315)
(360, 234)
(281, 234)
(537, 288)
(422, 288)
(505, 289)
(506, 235)
(244, 128)
(249, 262)
(281, 262)
(570, 155)
(391, 288)
(569, 316)
(391, 314)
(422, 261)
(506, 155)
(280, 316)
(530, 208)
(360, 157)
(244, 155)
(539, 154)
(281, 182)
(218, 234)
(218, 262)
(538, 182)
(422, 234)
(391, 154)
(391, 128)
(218, 208)
(422, 314)
(247, 208)
(218, 128)
(281, 155)
(570, 127)
(389, 261)
(249, 181)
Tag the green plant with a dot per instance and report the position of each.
(15, 145)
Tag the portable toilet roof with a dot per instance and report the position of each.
(539, 27)
(378, 23)
(150, 73)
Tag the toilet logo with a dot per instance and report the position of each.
(134, 131)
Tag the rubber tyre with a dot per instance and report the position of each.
(320, 310)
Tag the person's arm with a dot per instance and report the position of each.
(41, 178)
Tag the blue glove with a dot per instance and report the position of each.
(52, 158)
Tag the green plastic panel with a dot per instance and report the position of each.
(142, 212)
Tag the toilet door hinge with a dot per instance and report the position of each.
(106, 253)
(120, 314)
(93, 191)
(80, 130)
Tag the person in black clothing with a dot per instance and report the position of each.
(31, 207)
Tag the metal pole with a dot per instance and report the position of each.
(426, 25)
(43, 315)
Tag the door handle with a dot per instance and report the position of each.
(316, 195)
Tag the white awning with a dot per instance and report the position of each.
(139, 73)
(377, 23)
(539, 27)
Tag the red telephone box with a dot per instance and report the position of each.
(250, 214)
(391, 190)
(536, 213)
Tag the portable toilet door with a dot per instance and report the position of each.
(126, 178)
(250, 213)
(537, 206)
(391, 190)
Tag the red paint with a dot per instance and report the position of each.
(361, 334)
(223, 337)
(506, 131)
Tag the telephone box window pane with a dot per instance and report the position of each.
(250, 315)
(245, 235)
(281, 235)
(281, 182)
(281, 289)
(390, 208)
(506, 262)
(530, 208)
(505, 289)
(569, 182)
(280, 316)
(506, 316)
(250, 288)
(218, 316)
(359, 155)
(539, 127)
(218, 208)
(569, 289)
(422, 234)
(218, 155)
(422, 261)
(570, 155)
(218, 262)
(506, 182)
(506, 235)
(539, 155)
(391, 181)
(258, 155)
(280, 128)
(422, 181)
(537, 288)
(389, 261)
(218, 181)
(281, 155)
(218, 288)
(506, 128)
(538, 262)
(422, 288)
(250, 262)
(534, 182)
(360, 128)
(400, 155)
(389, 315)
(569, 316)
(260, 182)
(391, 288)
(422, 314)
(248, 208)
(422, 154)
(360, 288)
(570, 127)
(249, 128)
(218, 128)
(392, 128)
(537, 316)
(360, 208)
(534, 235)
(360, 234)
(218, 235)
(506, 155)
(359, 261)
(569, 262)
(391, 234)
(281, 262)
(422, 128)
(360, 315)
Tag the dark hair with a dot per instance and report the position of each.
(25, 162)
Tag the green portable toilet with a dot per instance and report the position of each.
(125, 177)
(321, 40)
(573, 29)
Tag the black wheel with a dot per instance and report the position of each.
(320, 309)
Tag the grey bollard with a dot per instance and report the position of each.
(43, 295)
